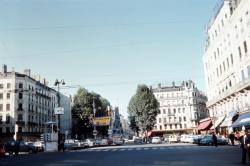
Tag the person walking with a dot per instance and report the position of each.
(232, 138)
(245, 146)
(215, 141)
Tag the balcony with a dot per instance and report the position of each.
(239, 87)
(171, 114)
(32, 123)
(172, 122)
(20, 122)
(19, 109)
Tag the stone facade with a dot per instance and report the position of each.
(181, 108)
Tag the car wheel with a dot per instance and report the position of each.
(16, 153)
(30, 151)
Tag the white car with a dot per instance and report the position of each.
(156, 140)
(172, 138)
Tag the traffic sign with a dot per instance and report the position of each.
(59, 111)
(94, 132)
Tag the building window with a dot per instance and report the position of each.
(1, 96)
(232, 59)
(180, 126)
(8, 95)
(20, 117)
(248, 70)
(227, 63)
(184, 119)
(179, 119)
(20, 106)
(165, 121)
(1, 86)
(170, 126)
(20, 86)
(174, 110)
(7, 130)
(7, 119)
(1, 107)
(175, 126)
(1, 119)
(240, 55)
(159, 120)
(7, 107)
(242, 75)
(245, 46)
(169, 111)
(164, 111)
(8, 85)
(185, 126)
(20, 129)
(160, 127)
(183, 110)
(20, 96)
(179, 110)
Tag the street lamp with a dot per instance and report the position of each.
(94, 112)
(57, 83)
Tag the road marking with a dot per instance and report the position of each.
(138, 149)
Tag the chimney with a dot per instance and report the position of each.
(173, 83)
(27, 72)
(4, 69)
(159, 85)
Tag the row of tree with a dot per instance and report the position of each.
(143, 109)
(83, 112)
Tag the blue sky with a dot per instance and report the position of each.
(106, 46)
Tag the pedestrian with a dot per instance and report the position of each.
(215, 141)
(245, 146)
(232, 138)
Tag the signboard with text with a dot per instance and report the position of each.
(59, 111)
(102, 121)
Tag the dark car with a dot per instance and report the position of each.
(208, 140)
(197, 139)
(19, 146)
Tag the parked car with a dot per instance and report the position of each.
(173, 138)
(208, 140)
(72, 144)
(39, 146)
(156, 140)
(104, 142)
(89, 142)
(19, 146)
(198, 138)
(97, 142)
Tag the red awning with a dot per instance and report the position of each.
(205, 125)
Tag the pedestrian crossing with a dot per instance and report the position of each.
(123, 149)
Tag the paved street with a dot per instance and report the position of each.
(136, 155)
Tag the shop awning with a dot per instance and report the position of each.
(218, 121)
(205, 124)
(243, 120)
(228, 120)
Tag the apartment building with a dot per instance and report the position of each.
(181, 107)
(26, 103)
(227, 60)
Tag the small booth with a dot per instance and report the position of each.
(51, 136)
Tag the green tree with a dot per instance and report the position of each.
(133, 124)
(144, 108)
(83, 113)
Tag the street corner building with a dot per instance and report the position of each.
(181, 108)
(226, 62)
(26, 104)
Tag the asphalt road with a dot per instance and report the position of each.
(134, 155)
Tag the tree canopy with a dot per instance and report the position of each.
(82, 110)
(143, 109)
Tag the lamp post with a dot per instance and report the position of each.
(57, 83)
(94, 112)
